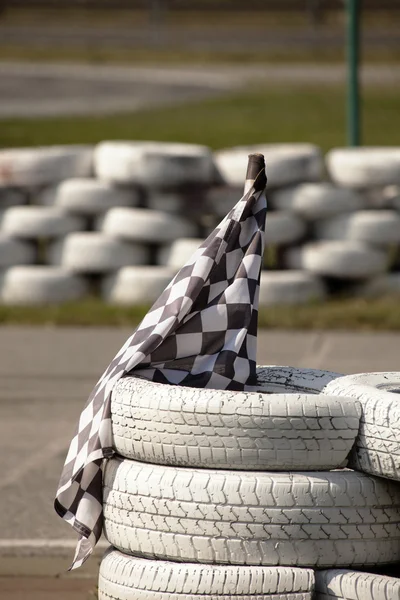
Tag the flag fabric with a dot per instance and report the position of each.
(201, 332)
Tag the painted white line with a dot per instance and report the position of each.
(34, 462)
(45, 543)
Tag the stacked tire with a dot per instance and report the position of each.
(221, 493)
(376, 452)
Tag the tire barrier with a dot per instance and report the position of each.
(178, 253)
(344, 260)
(209, 487)
(290, 287)
(125, 577)
(154, 164)
(30, 167)
(87, 197)
(377, 448)
(40, 285)
(14, 252)
(180, 426)
(284, 228)
(121, 205)
(136, 285)
(314, 201)
(34, 222)
(365, 167)
(375, 227)
(383, 285)
(10, 196)
(286, 163)
(141, 225)
(92, 252)
(340, 584)
(313, 519)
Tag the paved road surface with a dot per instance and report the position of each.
(31, 90)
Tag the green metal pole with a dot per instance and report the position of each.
(353, 84)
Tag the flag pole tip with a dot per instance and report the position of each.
(256, 171)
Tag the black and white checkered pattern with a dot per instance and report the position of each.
(201, 332)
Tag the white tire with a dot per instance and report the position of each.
(170, 203)
(136, 285)
(10, 196)
(383, 285)
(154, 164)
(125, 577)
(286, 164)
(141, 225)
(92, 252)
(40, 166)
(340, 584)
(376, 227)
(314, 201)
(183, 426)
(386, 197)
(391, 195)
(30, 222)
(313, 519)
(220, 200)
(290, 287)
(364, 167)
(343, 259)
(178, 253)
(14, 252)
(284, 228)
(40, 285)
(87, 196)
(377, 448)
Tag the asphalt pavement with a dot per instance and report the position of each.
(43, 89)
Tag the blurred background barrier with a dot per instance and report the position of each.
(88, 227)
(320, 6)
(200, 26)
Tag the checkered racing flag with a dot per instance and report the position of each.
(201, 332)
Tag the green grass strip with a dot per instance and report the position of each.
(355, 314)
(276, 114)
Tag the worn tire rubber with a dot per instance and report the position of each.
(342, 259)
(364, 167)
(154, 164)
(340, 584)
(220, 200)
(87, 196)
(383, 285)
(93, 252)
(313, 519)
(15, 252)
(314, 201)
(11, 196)
(290, 287)
(178, 253)
(166, 202)
(136, 285)
(29, 167)
(284, 228)
(377, 448)
(125, 577)
(376, 227)
(183, 426)
(39, 285)
(286, 163)
(32, 222)
(148, 226)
